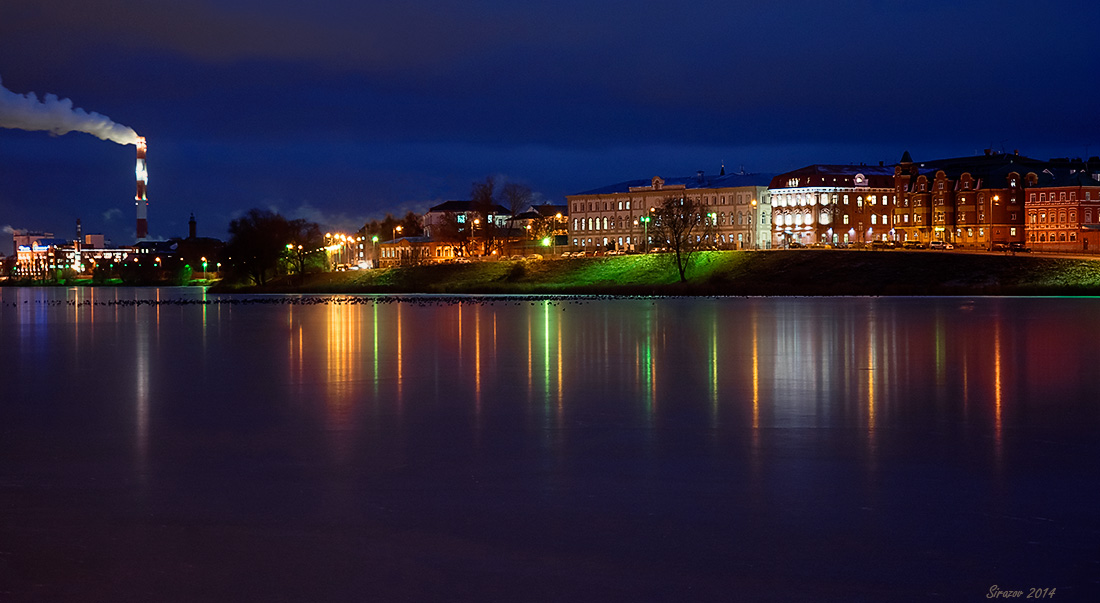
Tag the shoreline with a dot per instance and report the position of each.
(772, 273)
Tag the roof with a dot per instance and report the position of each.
(1060, 177)
(549, 209)
(698, 181)
(465, 206)
(878, 176)
(409, 240)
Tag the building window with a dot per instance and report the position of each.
(845, 218)
(1012, 232)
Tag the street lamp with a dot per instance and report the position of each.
(755, 225)
(204, 267)
(645, 225)
(374, 259)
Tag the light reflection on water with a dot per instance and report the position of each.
(789, 413)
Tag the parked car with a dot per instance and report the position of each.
(1018, 248)
(912, 245)
(795, 245)
(937, 244)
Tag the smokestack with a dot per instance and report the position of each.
(192, 228)
(140, 200)
(79, 235)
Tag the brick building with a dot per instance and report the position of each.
(832, 204)
(971, 202)
(1063, 209)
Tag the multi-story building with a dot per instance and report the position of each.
(832, 204)
(464, 213)
(972, 202)
(616, 216)
(1063, 209)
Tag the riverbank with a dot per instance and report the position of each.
(800, 272)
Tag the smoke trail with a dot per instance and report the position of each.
(57, 115)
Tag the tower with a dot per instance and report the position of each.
(192, 229)
(140, 200)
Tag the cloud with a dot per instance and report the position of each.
(111, 214)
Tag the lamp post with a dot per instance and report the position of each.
(755, 226)
(204, 268)
(645, 225)
(374, 258)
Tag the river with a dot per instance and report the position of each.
(169, 445)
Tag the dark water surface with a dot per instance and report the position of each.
(509, 449)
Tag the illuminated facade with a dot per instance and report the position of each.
(832, 205)
(971, 202)
(1063, 210)
(616, 216)
(414, 251)
(43, 258)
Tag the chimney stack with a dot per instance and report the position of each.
(140, 200)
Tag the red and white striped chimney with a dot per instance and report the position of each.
(140, 200)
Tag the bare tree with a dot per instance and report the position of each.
(450, 230)
(483, 202)
(681, 225)
(516, 197)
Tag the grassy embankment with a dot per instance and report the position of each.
(803, 272)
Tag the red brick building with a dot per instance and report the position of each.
(971, 202)
(832, 204)
(1063, 210)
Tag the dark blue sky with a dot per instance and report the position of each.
(340, 112)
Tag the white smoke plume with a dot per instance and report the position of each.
(57, 115)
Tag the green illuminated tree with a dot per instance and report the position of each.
(682, 225)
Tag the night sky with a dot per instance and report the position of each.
(339, 111)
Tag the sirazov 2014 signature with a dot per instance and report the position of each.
(1032, 593)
